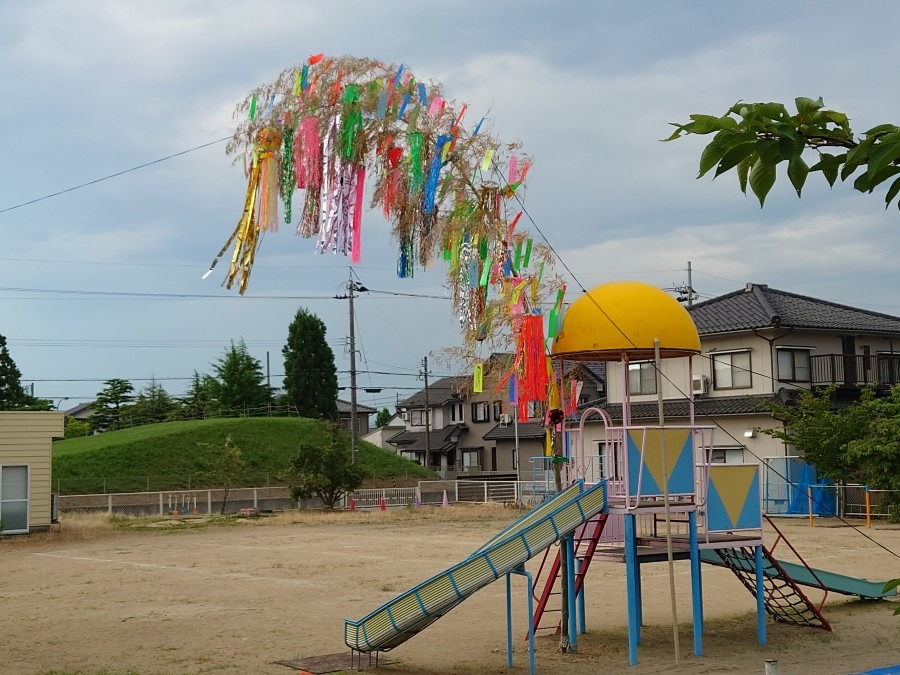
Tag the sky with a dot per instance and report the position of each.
(92, 88)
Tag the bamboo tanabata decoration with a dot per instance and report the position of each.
(324, 132)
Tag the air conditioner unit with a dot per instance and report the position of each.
(404, 416)
(54, 508)
(700, 385)
(505, 419)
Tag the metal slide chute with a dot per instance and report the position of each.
(411, 612)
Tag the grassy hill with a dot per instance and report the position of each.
(180, 455)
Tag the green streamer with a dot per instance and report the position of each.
(483, 248)
(485, 272)
(416, 175)
(553, 327)
(352, 123)
(252, 108)
(527, 253)
(287, 173)
(518, 259)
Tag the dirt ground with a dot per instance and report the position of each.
(235, 599)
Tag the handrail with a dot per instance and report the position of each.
(809, 569)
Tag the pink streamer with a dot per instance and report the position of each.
(436, 105)
(308, 154)
(513, 169)
(356, 247)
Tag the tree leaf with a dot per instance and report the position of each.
(829, 165)
(719, 146)
(891, 193)
(881, 176)
(807, 106)
(743, 168)
(734, 157)
(882, 129)
(857, 156)
(767, 149)
(797, 172)
(706, 124)
(762, 178)
(883, 154)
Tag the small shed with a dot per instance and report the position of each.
(26, 440)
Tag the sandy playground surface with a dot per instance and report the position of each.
(235, 599)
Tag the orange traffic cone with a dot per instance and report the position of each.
(446, 502)
(383, 505)
(352, 504)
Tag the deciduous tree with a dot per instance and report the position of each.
(324, 470)
(754, 138)
(382, 417)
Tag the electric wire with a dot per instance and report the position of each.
(113, 175)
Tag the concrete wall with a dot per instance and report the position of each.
(26, 439)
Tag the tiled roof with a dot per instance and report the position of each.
(439, 392)
(508, 431)
(343, 408)
(680, 408)
(440, 440)
(758, 306)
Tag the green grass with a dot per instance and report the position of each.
(181, 455)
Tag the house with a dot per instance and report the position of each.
(529, 436)
(25, 458)
(362, 417)
(477, 433)
(380, 435)
(82, 412)
(758, 345)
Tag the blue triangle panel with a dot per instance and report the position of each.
(648, 485)
(681, 478)
(716, 516)
(751, 512)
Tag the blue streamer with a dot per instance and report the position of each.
(304, 77)
(434, 173)
(399, 73)
(403, 107)
(423, 94)
(383, 97)
(507, 267)
(478, 127)
(474, 276)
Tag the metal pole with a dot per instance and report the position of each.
(690, 294)
(516, 432)
(354, 432)
(665, 468)
(868, 509)
(427, 415)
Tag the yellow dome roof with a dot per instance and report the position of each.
(624, 317)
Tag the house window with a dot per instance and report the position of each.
(498, 410)
(470, 460)
(456, 412)
(732, 371)
(642, 378)
(793, 365)
(417, 418)
(888, 368)
(14, 498)
(610, 461)
(535, 409)
(733, 455)
(481, 411)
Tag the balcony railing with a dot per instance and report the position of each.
(855, 370)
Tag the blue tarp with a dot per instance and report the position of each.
(890, 670)
(824, 501)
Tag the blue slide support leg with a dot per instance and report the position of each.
(631, 582)
(570, 591)
(509, 642)
(760, 597)
(696, 586)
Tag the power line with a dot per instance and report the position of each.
(113, 175)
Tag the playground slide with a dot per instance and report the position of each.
(411, 612)
(837, 583)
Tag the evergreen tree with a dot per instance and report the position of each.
(241, 381)
(310, 376)
(12, 396)
(201, 399)
(153, 404)
(112, 404)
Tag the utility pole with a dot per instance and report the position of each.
(427, 414)
(354, 432)
(690, 297)
(352, 288)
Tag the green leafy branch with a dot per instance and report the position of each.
(753, 138)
